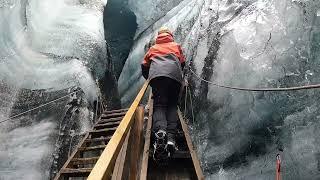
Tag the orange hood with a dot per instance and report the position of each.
(164, 38)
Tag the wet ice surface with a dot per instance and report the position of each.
(25, 151)
(51, 45)
(51, 50)
(149, 11)
(261, 43)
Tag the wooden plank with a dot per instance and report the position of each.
(121, 159)
(98, 139)
(80, 172)
(92, 148)
(118, 119)
(106, 116)
(78, 161)
(104, 166)
(108, 124)
(103, 130)
(194, 156)
(135, 143)
(115, 111)
(145, 156)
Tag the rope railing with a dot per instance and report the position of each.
(42, 105)
(315, 86)
(38, 107)
(278, 157)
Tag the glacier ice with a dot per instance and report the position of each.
(246, 43)
(52, 50)
(47, 47)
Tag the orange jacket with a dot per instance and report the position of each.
(165, 58)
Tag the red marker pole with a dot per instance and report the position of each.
(278, 167)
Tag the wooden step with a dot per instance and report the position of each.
(108, 124)
(92, 148)
(107, 116)
(78, 161)
(103, 132)
(79, 172)
(115, 111)
(101, 139)
(106, 132)
(118, 119)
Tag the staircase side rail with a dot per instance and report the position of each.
(104, 166)
(195, 160)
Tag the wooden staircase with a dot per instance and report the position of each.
(118, 148)
(85, 156)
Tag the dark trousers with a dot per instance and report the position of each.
(165, 101)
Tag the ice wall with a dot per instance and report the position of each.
(246, 43)
(51, 50)
(47, 47)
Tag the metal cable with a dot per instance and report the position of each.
(315, 86)
(38, 107)
(193, 118)
(185, 102)
(96, 116)
(191, 108)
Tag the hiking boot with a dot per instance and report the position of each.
(171, 144)
(159, 146)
